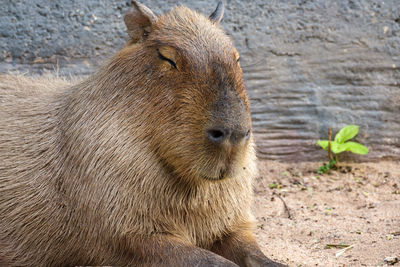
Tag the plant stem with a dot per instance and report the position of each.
(329, 143)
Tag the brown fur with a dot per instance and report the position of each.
(116, 169)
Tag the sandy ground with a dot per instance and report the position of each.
(357, 205)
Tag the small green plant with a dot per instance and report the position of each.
(326, 167)
(339, 145)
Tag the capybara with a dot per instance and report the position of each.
(147, 162)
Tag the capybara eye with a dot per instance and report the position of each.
(162, 57)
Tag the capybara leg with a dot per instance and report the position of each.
(173, 252)
(242, 248)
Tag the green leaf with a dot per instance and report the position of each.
(273, 185)
(332, 163)
(356, 148)
(346, 133)
(323, 169)
(326, 167)
(337, 148)
(323, 144)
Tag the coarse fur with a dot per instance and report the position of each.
(117, 169)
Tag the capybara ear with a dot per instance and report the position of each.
(218, 13)
(139, 21)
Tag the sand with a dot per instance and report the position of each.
(356, 208)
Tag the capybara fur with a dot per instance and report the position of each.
(148, 162)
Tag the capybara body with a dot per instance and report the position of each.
(147, 162)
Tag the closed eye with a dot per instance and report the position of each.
(237, 60)
(160, 56)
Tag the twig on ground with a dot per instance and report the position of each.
(336, 246)
(287, 211)
(340, 252)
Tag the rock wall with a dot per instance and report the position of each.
(308, 64)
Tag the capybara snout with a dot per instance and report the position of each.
(229, 123)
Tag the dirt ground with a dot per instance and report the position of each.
(355, 210)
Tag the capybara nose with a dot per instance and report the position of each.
(220, 135)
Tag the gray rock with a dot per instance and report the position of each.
(308, 64)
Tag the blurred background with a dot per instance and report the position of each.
(308, 64)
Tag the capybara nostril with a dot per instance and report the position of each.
(217, 135)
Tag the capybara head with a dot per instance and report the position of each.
(186, 76)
